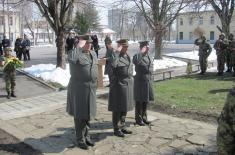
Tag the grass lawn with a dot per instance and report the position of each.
(196, 93)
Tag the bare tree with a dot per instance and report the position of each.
(224, 9)
(159, 15)
(57, 14)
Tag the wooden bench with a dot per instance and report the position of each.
(169, 72)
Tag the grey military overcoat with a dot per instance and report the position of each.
(81, 99)
(143, 80)
(121, 95)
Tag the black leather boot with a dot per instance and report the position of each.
(13, 94)
(8, 95)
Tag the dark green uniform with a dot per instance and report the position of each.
(231, 49)
(107, 40)
(81, 99)
(108, 66)
(121, 99)
(204, 52)
(143, 89)
(9, 76)
(226, 127)
(220, 46)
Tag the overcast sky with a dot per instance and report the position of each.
(103, 6)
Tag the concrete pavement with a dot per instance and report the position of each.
(47, 127)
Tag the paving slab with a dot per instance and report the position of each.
(51, 131)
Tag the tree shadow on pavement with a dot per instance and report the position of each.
(64, 138)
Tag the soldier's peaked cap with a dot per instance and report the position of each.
(123, 42)
(86, 37)
(143, 43)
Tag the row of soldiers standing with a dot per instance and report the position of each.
(22, 48)
(124, 89)
(225, 51)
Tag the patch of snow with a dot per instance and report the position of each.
(193, 55)
(49, 72)
(167, 63)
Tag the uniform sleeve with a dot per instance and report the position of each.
(196, 42)
(114, 59)
(216, 45)
(137, 59)
(74, 55)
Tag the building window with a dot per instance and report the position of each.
(191, 21)
(190, 35)
(212, 35)
(200, 20)
(181, 36)
(212, 20)
(11, 20)
(181, 21)
(1, 20)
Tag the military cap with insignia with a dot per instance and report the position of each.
(86, 37)
(123, 42)
(143, 43)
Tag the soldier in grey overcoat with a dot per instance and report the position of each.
(143, 86)
(108, 55)
(81, 99)
(121, 97)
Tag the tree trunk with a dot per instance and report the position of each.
(133, 33)
(158, 44)
(225, 27)
(60, 44)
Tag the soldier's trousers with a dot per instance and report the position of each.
(10, 81)
(203, 63)
(220, 63)
(82, 129)
(140, 111)
(228, 59)
(119, 120)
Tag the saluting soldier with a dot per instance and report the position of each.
(204, 52)
(121, 97)
(231, 48)
(106, 41)
(81, 99)
(108, 67)
(221, 46)
(226, 127)
(143, 89)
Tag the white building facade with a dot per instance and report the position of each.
(187, 22)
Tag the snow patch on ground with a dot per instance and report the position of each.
(49, 72)
(193, 55)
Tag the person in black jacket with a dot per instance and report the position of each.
(95, 44)
(18, 48)
(70, 41)
(6, 42)
(25, 44)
